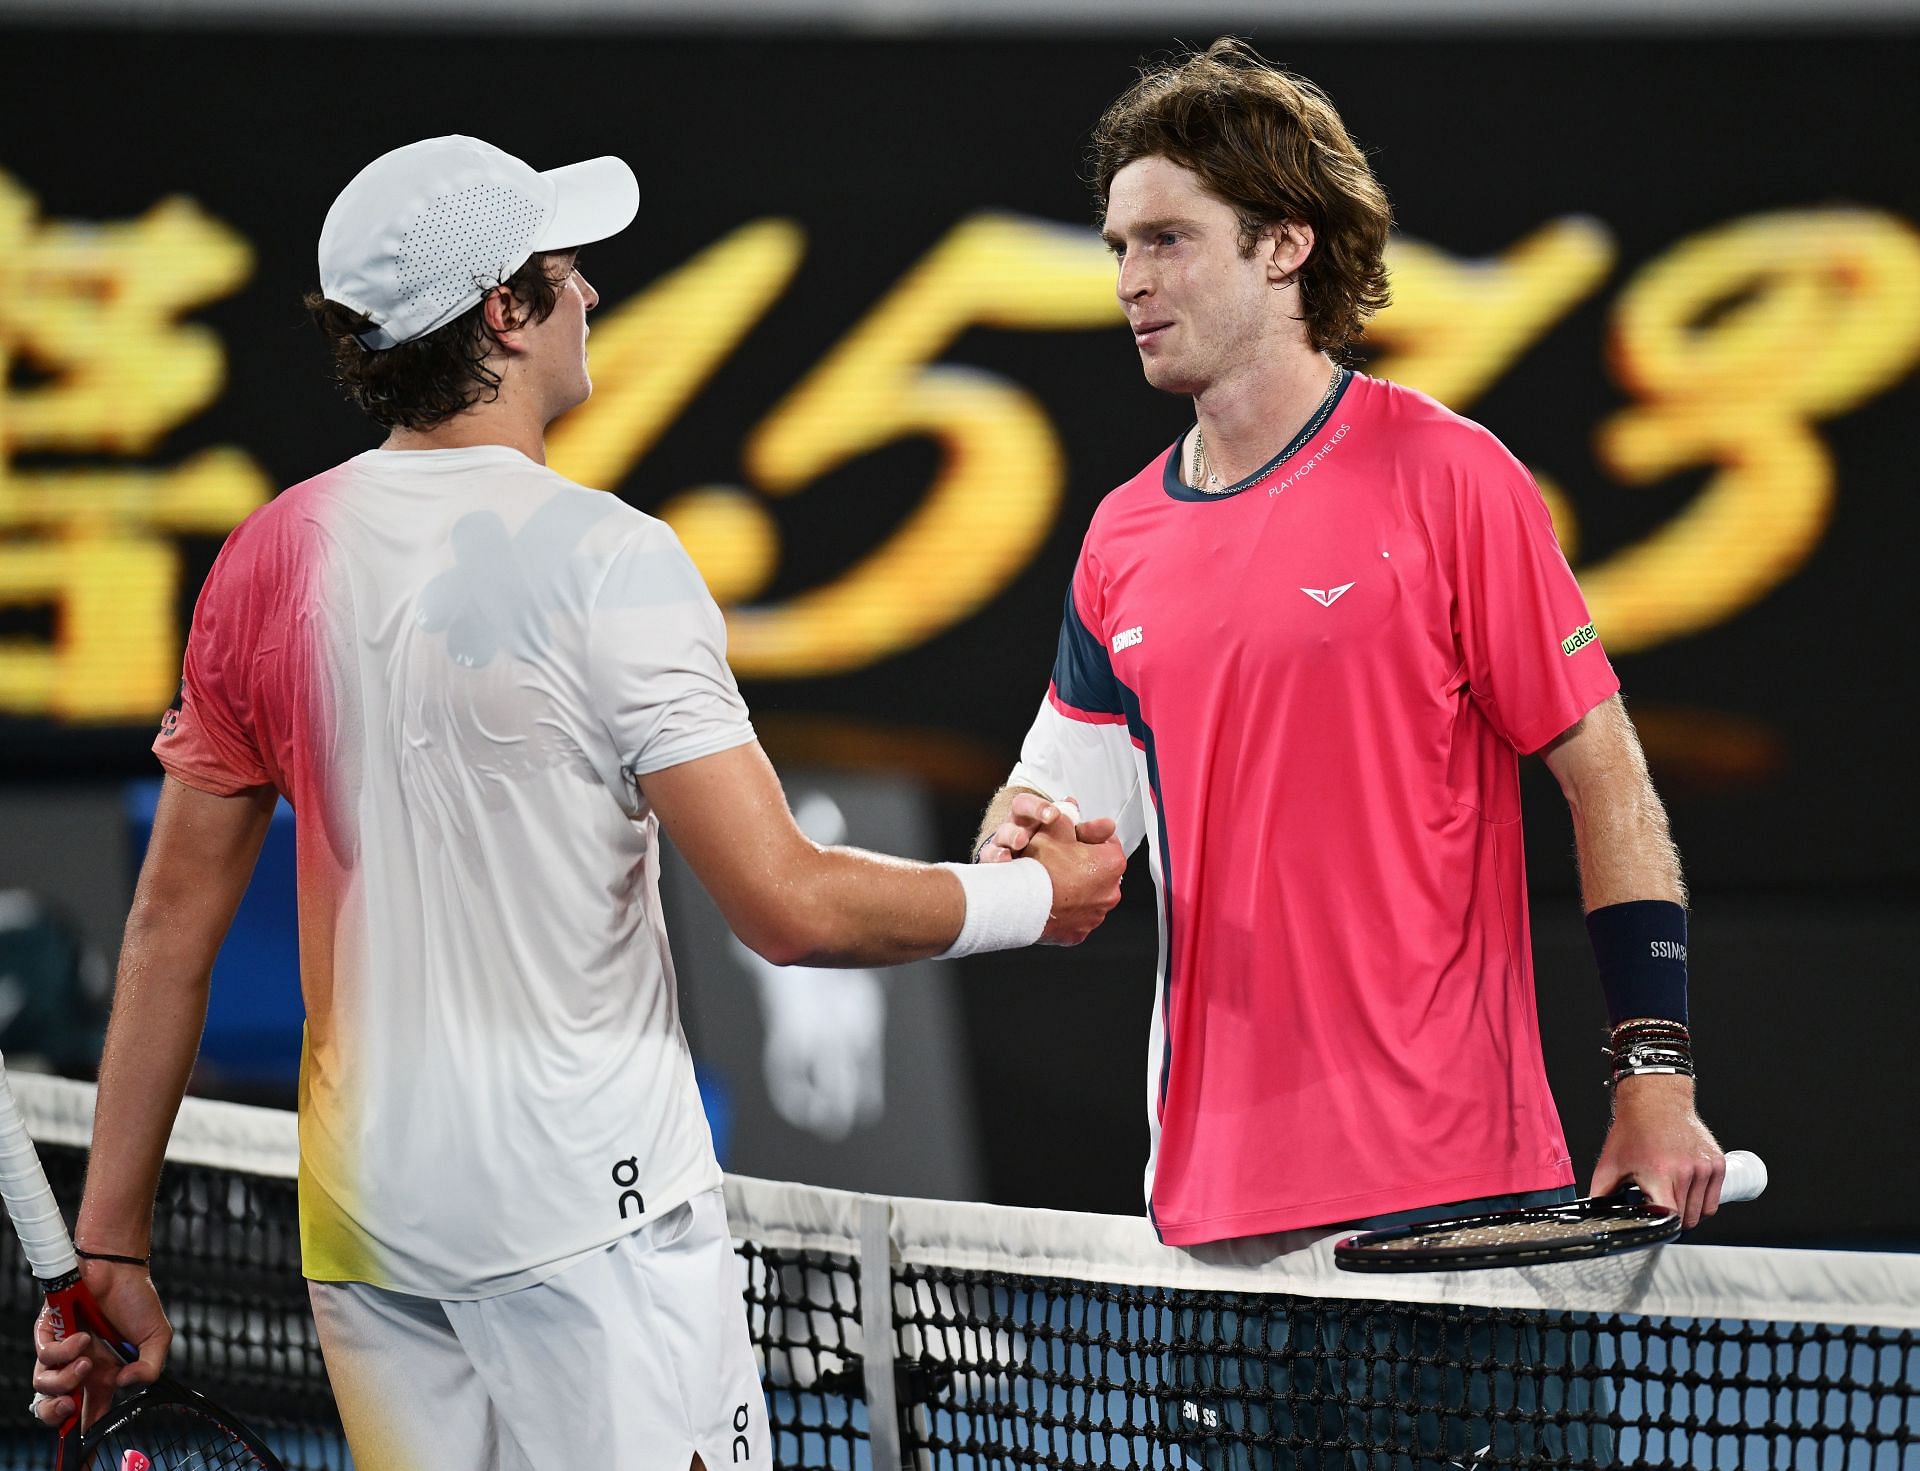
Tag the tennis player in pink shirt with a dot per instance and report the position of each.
(1301, 655)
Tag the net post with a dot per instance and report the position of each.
(876, 1331)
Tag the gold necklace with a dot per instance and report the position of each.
(1206, 478)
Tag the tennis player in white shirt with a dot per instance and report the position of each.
(485, 689)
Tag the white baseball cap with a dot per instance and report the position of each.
(423, 232)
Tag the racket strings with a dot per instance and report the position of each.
(1541, 1231)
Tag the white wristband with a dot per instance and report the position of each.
(1008, 905)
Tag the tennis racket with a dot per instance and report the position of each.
(1600, 1225)
(162, 1426)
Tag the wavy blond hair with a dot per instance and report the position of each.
(1270, 144)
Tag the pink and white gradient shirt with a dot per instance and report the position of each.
(1307, 695)
(454, 664)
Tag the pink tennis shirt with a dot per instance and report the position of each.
(1309, 695)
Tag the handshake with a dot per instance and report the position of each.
(1084, 860)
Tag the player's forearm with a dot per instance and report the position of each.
(795, 903)
(1623, 845)
(1621, 839)
(199, 859)
(849, 907)
(159, 1011)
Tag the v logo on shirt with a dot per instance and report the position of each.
(1326, 597)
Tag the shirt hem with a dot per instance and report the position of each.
(1540, 732)
(1337, 1209)
(732, 740)
(708, 1177)
(214, 784)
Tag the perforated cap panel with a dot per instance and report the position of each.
(462, 243)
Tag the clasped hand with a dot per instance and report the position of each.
(1084, 859)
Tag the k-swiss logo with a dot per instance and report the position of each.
(1326, 597)
(1127, 638)
(1201, 1415)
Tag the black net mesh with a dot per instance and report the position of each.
(226, 1258)
(1018, 1371)
(803, 1311)
(1003, 1369)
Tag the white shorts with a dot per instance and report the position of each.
(635, 1356)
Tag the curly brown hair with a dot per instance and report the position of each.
(427, 381)
(1270, 145)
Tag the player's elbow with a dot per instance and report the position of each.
(787, 928)
(778, 943)
(823, 907)
(793, 947)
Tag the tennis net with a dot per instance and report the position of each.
(1017, 1338)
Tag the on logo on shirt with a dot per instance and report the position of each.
(626, 1175)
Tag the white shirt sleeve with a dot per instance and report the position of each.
(1092, 762)
(657, 659)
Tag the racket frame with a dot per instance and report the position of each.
(1642, 1225)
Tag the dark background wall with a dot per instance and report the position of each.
(1726, 295)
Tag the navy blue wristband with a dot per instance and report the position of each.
(1641, 947)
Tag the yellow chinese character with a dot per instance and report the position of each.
(92, 312)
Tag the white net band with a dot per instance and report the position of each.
(1775, 1285)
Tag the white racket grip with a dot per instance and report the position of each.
(1746, 1177)
(36, 1214)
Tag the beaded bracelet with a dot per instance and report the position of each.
(1649, 1045)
